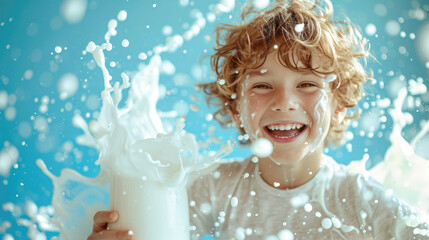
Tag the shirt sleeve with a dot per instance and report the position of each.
(389, 217)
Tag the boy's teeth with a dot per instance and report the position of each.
(285, 126)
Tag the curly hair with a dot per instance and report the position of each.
(245, 46)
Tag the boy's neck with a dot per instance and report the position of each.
(290, 175)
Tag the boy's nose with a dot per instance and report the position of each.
(284, 102)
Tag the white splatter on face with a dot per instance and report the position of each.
(291, 109)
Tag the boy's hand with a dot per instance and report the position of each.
(100, 230)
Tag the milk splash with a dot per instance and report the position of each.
(403, 171)
(147, 169)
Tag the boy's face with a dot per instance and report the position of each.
(293, 110)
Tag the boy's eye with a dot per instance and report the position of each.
(305, 85)
(262, 86)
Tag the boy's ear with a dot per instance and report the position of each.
(338, 115)
(234, 114)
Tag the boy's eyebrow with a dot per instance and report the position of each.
(258, 72)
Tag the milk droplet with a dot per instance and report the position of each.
(260, 4)
(331, 77)
(68, 85)
(58, 49)
(122, 15)
(285, 234)
(73, 10)
(142, 56)
(326, 223)
(308, 207)
(125, 43)
(234, 202)
(299, 27)
(336, 222)
(370, 29)
(262, 147)
(90, 47)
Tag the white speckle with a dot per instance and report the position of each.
(112, 64)
(389, 192)
(393, 28)
(68, 85)
(262, 147)
(167, 30)
(318, 214)
(142, 56)
(326, 223)
(331, 77)
(234, 96)
(260, 4)
(73, 10)
(239, 234)
(285, 235)
(276, 184)
(205, 208)
(125, 43)
(90, 47)
(370, 29)
(299, 200)
(336, 222)
(122, 15)
(234, 202)
(58, 49)
(308, 207)
(299, 27)
(221, 82)
(276, 46)
(130, 232)
(254, 159)
(252, 193)
(264, 70)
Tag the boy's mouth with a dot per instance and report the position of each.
(285, 131)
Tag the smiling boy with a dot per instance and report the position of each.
(288, 75)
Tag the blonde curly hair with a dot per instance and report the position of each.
(245, 46)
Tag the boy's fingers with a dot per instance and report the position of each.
(112, 235)
(102, 218)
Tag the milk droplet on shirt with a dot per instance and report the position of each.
(326, 223)
(234, 202)
(299, 27)
(308, 207)
(285, 234)
(262, 147)
(336, 222)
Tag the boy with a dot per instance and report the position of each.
(288, 76)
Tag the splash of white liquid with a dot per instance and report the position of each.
(133, 160)
(402, 170)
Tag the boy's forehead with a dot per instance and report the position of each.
(274, 60)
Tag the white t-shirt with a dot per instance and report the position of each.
(234, 202)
